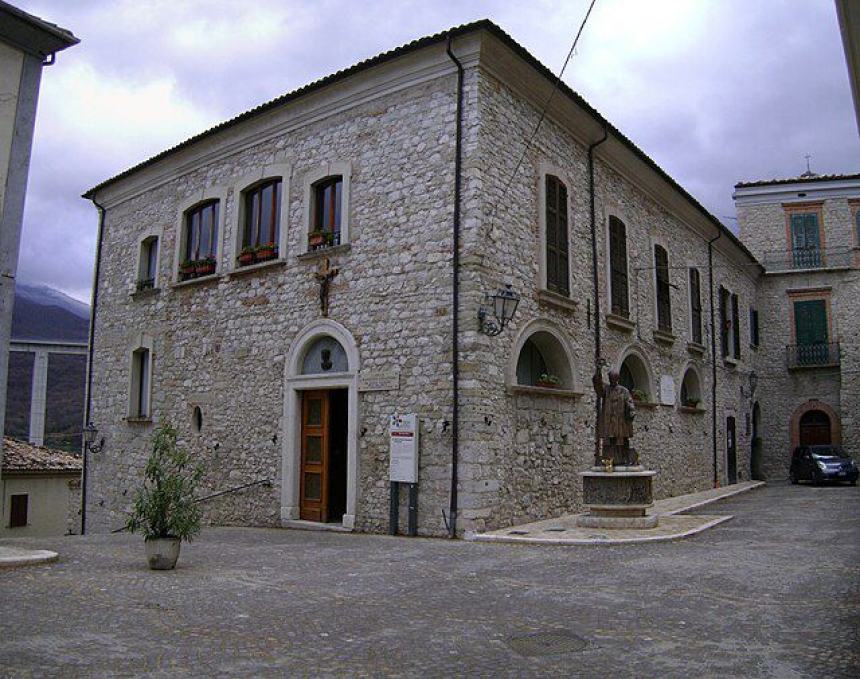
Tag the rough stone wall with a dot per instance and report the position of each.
(222, 345)
(782, 391)
(523, 452)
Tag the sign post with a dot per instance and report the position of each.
(403, 468)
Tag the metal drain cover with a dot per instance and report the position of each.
(553, 642)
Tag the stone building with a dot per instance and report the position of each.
(280, 285)
(806, 233)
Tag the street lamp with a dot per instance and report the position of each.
(497, 310)
(90, 433)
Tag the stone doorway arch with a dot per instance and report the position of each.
(314, 363)
(815, 421)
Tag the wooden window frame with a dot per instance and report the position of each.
(662, 289)
(695, 305)
(199, 209)
(618, 271)
(755, 328)
(725, 321)
(557, 222)
(806, 207)
(253, 240)
(810, 295)
(736, 327)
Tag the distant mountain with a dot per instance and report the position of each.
(43, 313)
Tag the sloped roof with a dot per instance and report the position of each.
(483, 24)
(19, 456)
(798, 180)
(31, 33)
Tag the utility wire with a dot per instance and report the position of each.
(547, 103)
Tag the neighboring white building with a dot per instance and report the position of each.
(40, 491)
(27, 43)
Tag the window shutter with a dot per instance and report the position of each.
(618, 266)
(810, 322)
(736, 327)
(695, 306)
(754, 328)
(724, 324)
(557, 259)
(664, 299)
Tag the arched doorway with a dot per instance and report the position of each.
(815, 429)
(320, 431)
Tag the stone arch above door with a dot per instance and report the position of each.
(801, 410)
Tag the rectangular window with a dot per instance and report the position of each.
(201, 240)
(736, 328)
(695, 306)
(140, 381)
(664, 298)
(328, 196)
(618, 267)
(725, 322)
(148, 263)
(811, 332)
(754, 331)
(805, 240)
(557, 258)
(262, 230)
(18, 513)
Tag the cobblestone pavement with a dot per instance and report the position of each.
(773, 593)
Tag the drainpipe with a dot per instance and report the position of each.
(455, 349)
(594, 275)
(89, 384)
(713, 355)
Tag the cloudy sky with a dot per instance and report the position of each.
(716, 91)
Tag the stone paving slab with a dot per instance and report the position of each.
(15, 556)
(772, 593)
(672, 526)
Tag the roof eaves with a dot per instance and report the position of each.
(798, 180)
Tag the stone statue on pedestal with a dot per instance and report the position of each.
(615, 422)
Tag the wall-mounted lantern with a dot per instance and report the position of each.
(497, 310)
(90, 434)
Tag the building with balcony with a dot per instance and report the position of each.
(806, 233)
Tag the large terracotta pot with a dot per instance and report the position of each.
(162, 553)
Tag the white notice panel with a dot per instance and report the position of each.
(667, 390)
(403, 437)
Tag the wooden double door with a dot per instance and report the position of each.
(323, 474)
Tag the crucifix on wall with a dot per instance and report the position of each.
(325, 275)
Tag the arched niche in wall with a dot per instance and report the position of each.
(634, 372)
(542, 357)
(691, 388)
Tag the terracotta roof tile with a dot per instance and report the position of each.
(19, 456)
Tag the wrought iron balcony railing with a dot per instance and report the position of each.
(799, 259)
(812, 355)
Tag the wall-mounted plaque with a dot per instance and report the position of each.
(377, 380)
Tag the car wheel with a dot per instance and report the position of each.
(793, 478)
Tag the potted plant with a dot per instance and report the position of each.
(318, 238)
(165, 509)
(639, 395)
(187, 268)
(548, 381)
(204, 267)
(692, 403)
(247, 255)
(267, 251)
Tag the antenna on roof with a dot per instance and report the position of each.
(808, 173)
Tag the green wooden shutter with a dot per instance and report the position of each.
(664, 298)
(557, 259)
(805, 242)
(810, 322)
(696, 305)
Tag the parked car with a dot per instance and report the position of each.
(822, 463)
